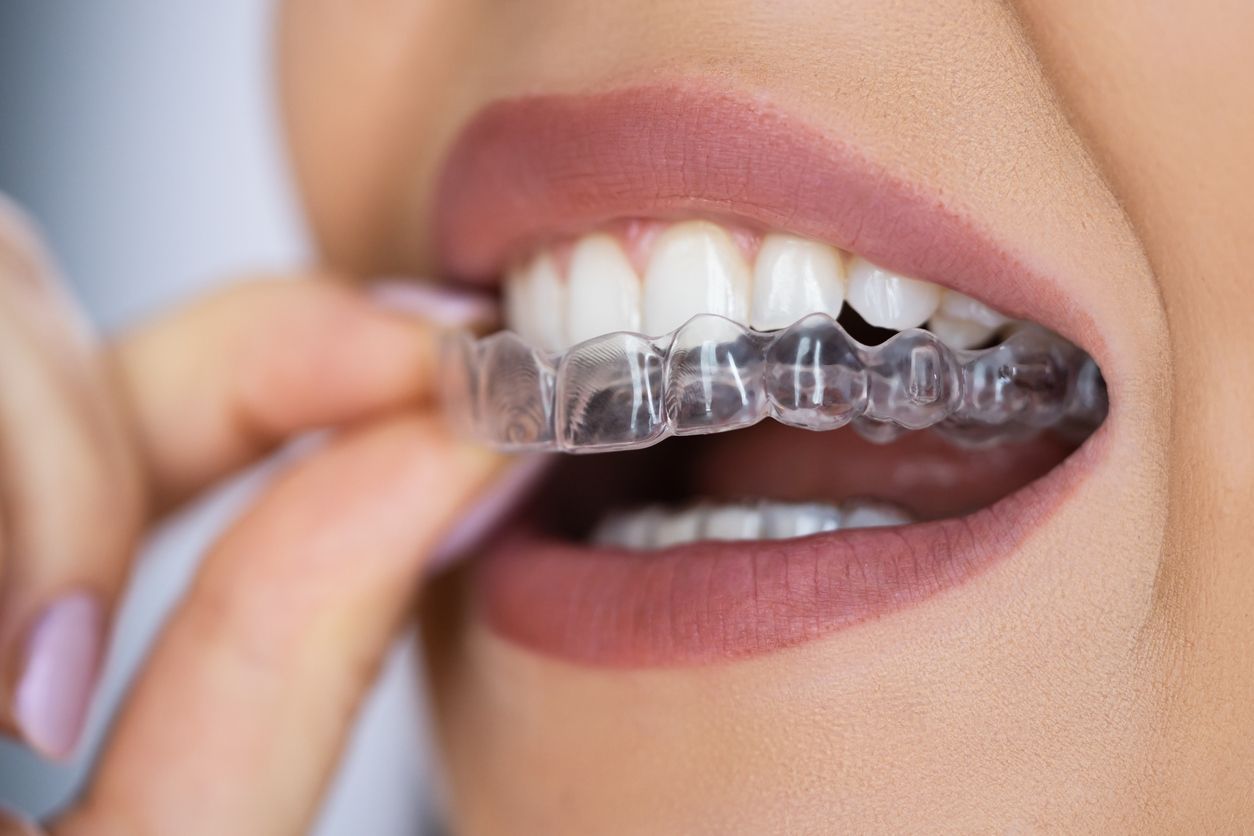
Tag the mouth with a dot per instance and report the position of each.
(678, 265)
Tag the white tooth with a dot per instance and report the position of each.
(887, 300)
(696, 268)
(794, 277)
(632, 530)
(958, 333)
(543, 297)
(873, 515)
(655, 528)
(788, 520)
(517, 304)
(732, 522)
(603, 292)
(957, 305)
(533, 293)
(678, 527)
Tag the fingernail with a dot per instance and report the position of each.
(488, 511)
(56, 684)
(426, 300)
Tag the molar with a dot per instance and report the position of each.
(794, 277)
(695, 268)
(887, 300)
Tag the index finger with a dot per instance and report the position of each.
(219, 384)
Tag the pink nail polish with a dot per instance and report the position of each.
(440, 305)
(56, 684)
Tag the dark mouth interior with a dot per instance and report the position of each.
(921, 472)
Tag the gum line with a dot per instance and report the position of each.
(625, 391)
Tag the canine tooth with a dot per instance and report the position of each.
(696, 268)
(957, 305)
(603, 292)
(865, 514)
(794, 277)
(732, 522)
(887, 300)
(534, 304)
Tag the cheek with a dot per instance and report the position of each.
(362, 89)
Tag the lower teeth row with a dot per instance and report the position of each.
(624, 391)
(659, 528)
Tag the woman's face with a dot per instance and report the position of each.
(1076, 658)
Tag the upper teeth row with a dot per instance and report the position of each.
(695, 267)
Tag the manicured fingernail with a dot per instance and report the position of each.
(451, 308)
(489, 511)
(56, 684)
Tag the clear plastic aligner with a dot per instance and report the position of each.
(624, 391)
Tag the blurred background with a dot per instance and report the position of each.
(145, 139)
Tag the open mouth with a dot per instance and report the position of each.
(863, 400)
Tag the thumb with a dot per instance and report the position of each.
(239, 719)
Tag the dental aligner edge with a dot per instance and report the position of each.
(714, 375)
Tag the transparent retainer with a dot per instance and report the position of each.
(625, 391)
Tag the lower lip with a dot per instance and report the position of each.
(710, 602)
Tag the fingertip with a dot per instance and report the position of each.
(58, 674)
(428, 302)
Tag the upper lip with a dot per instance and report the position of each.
(531, 169)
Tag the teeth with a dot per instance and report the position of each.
(963, 322)
(629, 531)
(794, 277)
(872, 514)
(958, 333)
(887, 300)
(655, 528)
(961, 306)
(603, 294)
(679, 527)
(535, 304)
(696, 268)
(786, 520)
(732, 523)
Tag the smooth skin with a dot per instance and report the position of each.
(1099, 680)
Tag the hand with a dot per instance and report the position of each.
(236, 722)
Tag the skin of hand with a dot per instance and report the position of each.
(238, 717)
(1101, 679)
